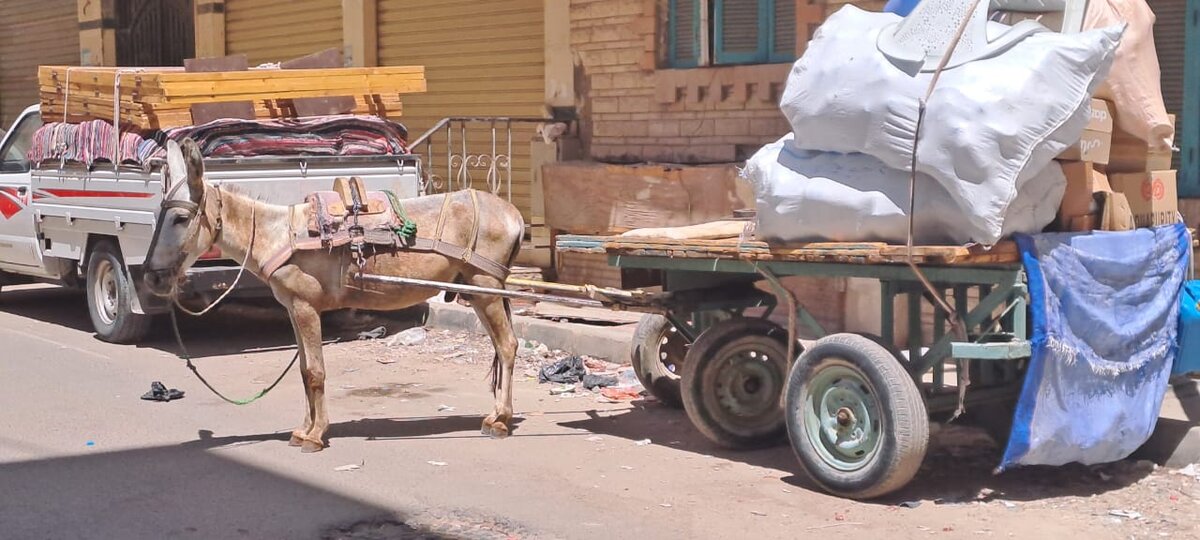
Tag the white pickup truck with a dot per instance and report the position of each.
(62, 223)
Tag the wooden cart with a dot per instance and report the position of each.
(855, 409)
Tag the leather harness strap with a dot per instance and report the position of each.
(387, 238)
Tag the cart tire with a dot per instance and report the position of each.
(657, 356)
(110, 293)
(855, 418)
(733, 381)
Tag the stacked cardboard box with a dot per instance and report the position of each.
(1088, 195)
(1146, 178)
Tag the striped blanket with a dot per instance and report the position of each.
(340, 135)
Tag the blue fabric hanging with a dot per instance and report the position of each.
(1105, 312)
(900, 7)
(1188, 359)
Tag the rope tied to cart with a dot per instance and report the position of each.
(957, 325)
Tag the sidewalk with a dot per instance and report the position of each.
(610, 342)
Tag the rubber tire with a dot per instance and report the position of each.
(699, 359)
(904, 436)
(127, 327)
(645, 356)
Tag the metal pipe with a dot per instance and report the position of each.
(487, 291)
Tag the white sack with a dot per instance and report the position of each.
(990, 125)
(806, 196)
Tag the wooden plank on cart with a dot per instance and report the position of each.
(830, 252)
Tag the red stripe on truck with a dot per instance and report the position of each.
(80, 193)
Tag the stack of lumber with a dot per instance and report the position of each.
(161, 98)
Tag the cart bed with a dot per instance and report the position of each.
(1004, 253)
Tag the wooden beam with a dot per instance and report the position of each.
(97, 32)
(560, 69)
(360, 33)
(210, 28)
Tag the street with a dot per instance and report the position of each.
(81, 456)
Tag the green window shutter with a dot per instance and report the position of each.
(683, 27)
(740, 31)
(783, 31)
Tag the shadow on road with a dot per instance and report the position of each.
(958, 467)
(168, 492)
(243, 326)
(371, 429)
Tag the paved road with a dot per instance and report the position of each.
(82, 457)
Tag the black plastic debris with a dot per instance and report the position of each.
(569, 370)
(591, 381)
(158, 392)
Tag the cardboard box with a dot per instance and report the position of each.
(1083, 182)
(1153, 197)
(1130, 154)
(1095, 145)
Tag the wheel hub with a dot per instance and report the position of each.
(106, 292)
(747, 384)
(843, 416)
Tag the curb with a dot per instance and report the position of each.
(607, 342)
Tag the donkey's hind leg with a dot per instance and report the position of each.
(496, 316)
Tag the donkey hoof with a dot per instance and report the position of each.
(309, 446)
(296, 440)
(495, 430)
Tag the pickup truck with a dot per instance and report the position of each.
(66, 224)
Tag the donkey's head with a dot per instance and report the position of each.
(187, 226)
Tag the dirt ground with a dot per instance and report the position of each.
(82, 457)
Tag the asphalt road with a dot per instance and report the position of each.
(81, 456)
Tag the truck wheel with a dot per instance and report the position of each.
(856, 419)
(733, 378)
(110, 293)
(657, 358)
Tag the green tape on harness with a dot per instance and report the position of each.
(408, 227)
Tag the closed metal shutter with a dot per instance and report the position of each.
(1171, 16)
(481, 59)
(33, 33)
(280, 30)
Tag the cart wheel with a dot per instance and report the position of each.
(855, 418)
(657, 356)
(733, 378)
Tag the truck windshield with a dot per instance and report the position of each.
(16, 148)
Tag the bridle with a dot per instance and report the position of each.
(195, 211)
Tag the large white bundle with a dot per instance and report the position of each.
(811, 196)
(990, 125)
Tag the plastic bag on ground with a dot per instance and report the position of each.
(813, 196)
(990, 126)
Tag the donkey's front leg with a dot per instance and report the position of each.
(299, 433)
(307, 323)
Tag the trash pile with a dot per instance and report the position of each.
(575, 375)
(1011, 112)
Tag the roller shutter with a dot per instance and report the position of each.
(1171, 16)
(481, 59)
(32, 33)
(279, 30)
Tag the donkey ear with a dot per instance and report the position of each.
(195, 168)
(176, 166)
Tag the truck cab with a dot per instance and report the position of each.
(19, 250)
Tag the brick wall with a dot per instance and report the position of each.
(632, 111)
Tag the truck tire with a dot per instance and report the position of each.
(110, 293)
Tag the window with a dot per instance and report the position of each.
(13, 158)
(730, 32)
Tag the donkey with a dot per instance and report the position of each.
(197, 216)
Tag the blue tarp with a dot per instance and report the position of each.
(901, 7)
(1105, 310)
(1188, 359)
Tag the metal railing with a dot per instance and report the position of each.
(467, 158)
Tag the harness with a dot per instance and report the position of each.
(376, 221)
